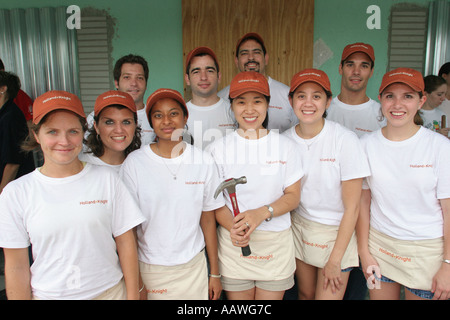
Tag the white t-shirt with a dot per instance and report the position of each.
(408, 179)
(71, 229)
(333, 156)
(432, 118)
(172, 234)
(90, 158)
(210, 123)
(445, 107)
(147, 132)
(270, 165)
(360, 119)
(281, 114)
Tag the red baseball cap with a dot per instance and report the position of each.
(358, 47)
(165, 93)
(310, 75)
(114, 97)
(55, 100)
(249, 81)
(247, 36)
(408, 76)
(200, 50)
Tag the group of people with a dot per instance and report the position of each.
(158, 200)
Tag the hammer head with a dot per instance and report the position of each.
(230, 185)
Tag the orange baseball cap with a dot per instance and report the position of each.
(200, 50)
(408, 76)
(249, 81)
(165, 93)
(55, 100)
(310, 75)
(358, 47)
(247, 36)
(114, 97)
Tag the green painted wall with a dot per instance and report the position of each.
(153, 29)
(341, 22)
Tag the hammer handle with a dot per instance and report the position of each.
(245, 250)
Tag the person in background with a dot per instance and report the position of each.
(251, 55)
(334, 165)
(403, 237)
(22, 100)
(273, 170)
(444, 72)
(174, 184)
(13, 131)
(356, 111)
(435, 90)
(131, 76)
(115, 132)
(209, 115)
(77, 217)
(352, 108)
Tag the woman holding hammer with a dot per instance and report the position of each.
(273, 171)
(174, 183)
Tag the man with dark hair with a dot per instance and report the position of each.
(251, 55)
(22, 100)
(209, 115)
(131, 76)
(444, 72)
(13, 130)
(352, 108)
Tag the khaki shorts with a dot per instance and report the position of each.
(230, 284)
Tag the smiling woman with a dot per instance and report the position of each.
(412, 223)
(115, 132)
(174, 183)
(93, 237)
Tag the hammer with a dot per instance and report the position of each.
(230, 186)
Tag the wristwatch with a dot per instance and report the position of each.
(271, 212)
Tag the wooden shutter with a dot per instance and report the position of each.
(94, 59)
(408, 37)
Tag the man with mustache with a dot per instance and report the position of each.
(352, 108)
(251, 55)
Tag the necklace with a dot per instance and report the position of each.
(174, 175)
(308, 145)
(305, 140)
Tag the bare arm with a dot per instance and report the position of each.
(127, 251)
(441, 281)
(208, 225)
(287, 202)
(351, 196)
(17, 274)
(9, 174)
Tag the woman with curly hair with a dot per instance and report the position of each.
(115, 132)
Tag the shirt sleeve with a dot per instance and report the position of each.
(126, 211)
(294, 167)
(211, 184)
(352, 158)
(13, 233)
